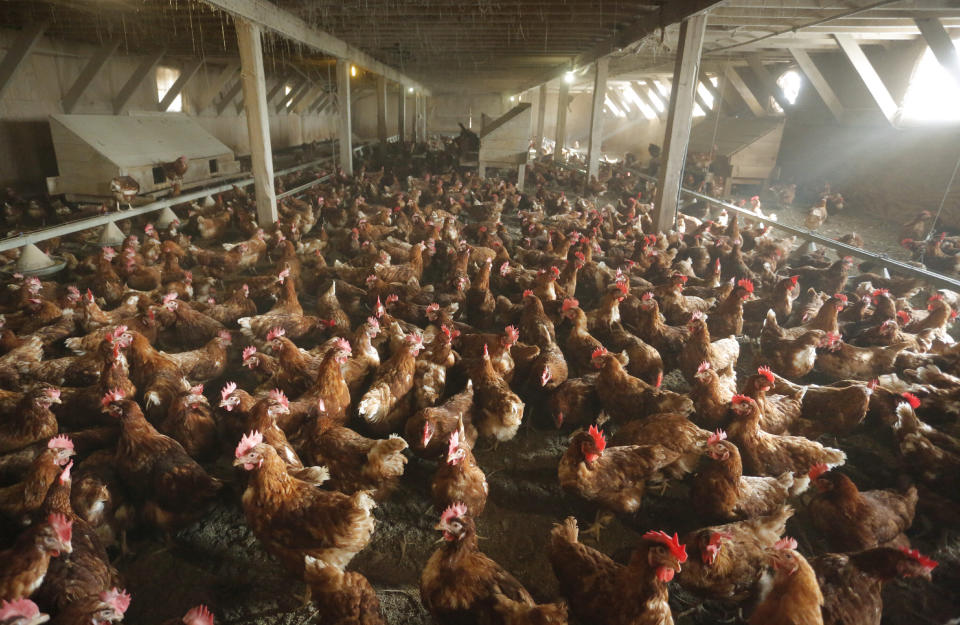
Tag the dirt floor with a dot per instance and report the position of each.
(219, 562)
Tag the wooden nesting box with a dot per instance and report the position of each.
(747, 149)
(93, 149)
(505, 141)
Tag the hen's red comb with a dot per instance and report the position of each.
(740, 399)
(912, 399)
(600, 351)
(455, 511)
(598, 439)
(903, 316)
(927, 563)
(112, 396)
(527, 293)
(678, 550)
(20, 608)
(785, 543)
(248, 442)
(716, 437)
(276, 333)
(60, 442)
(512, 334)
(704, 366)
(569, 303)
(767, 373)
(199, 615)
(228, 390)
(647, 296)
(747, 285)
(817, 470)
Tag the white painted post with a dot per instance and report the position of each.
(381, 109)
(402, 113)
(258, 120)
(541, 110)
(596, 117)
(423, 116)
(346, 128)
(679, 121)
(561, 131)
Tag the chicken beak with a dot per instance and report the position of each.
(38, 619)
(239, 462)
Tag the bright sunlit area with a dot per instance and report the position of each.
(166, 77)
(933, 95)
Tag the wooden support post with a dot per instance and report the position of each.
(186, 74)
(402, 113)
(19, 52)
(868, 75)
(146, 66)
(561, 131)
(381, 109)
(941, 44)
(541, 113)
(521, 176)
(773, 89)
(596, 116)
(90, 71)
(346, 128)
(679, 121)
(229, 96)
(423, 116)
(751, 100)
(207, 97)
(819, 83)
(258, 118)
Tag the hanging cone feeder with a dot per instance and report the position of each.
(33, 262)
(111, 236)
(167, 217)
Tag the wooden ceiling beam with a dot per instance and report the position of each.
(868, 74)
(292, 27)
(942, 45)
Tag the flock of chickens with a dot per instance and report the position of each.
(388, 316)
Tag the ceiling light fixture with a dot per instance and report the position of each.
(568, 77)
(353, 70)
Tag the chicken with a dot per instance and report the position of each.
(296, 521)
(386, 403)
(726, 318)
(711, 396)
(459, 583)
(107, 607)
(20, 499)
(24, 565)
(843, 361)
(31, 421)
(355, 462)
(190, 422)
(793, 597)
(86, 569)
(342, 597)
(721, 491)
(580, 344)
(728, 561)
(172, 488)
(791, 358)
(829, 280)
(614, 477)
(603, 592)
(206, 363)
(722, 354)
(428, 431)
(625, 397)
(522, 613)
(575, 402)
(851, 583)
(498, 410)
(771, 454)
(816, 215)
(930, 454)
(673, 431)
(191, 328)
(175, 170)
(287, 313)
(459, 479)
(777, 412)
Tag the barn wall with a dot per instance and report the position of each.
(26, 149)
(886, 171)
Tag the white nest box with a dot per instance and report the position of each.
(505, 141)
(93, 149)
